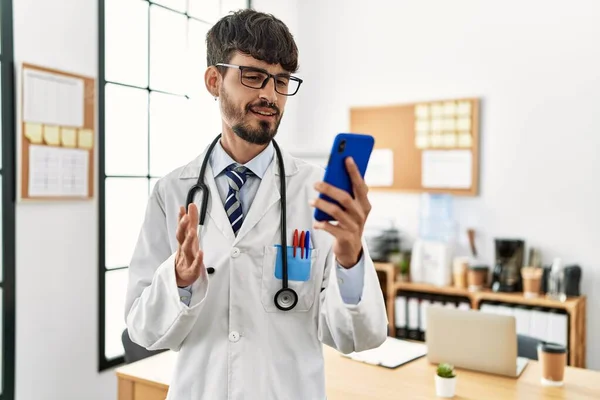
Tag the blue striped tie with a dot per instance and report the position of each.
(236, 176)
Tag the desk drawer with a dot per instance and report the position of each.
(146, 392)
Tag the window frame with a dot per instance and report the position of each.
(103, 362)
(8, 202)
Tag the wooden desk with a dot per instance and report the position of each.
(352, 380)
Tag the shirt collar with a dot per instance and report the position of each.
(219, 160)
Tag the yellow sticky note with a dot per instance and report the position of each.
(437, 140)
(449, 124)
(465, 139)
(464, 108)
(423, 126)
(436, 125)
(422, 141)
(422, 111)
(449, 108)
(464, 124)
(86, 140)
(437, 110)
(450, 140)
(68, 137)
(51, 135)
(33, 132)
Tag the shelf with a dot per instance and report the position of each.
(488, 295)
(574, 306)
(432, 289)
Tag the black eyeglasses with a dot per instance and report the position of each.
(257, 78)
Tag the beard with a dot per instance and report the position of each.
(260, 135)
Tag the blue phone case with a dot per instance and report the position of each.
(357, 146)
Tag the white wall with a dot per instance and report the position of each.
(535, 66)
(286, 11)
(57, 243)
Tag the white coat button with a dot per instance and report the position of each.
(234, 336)
(235, 252)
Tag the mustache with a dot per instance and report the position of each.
(264, 104)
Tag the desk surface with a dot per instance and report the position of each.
(352, 380)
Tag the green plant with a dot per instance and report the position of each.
(446, 370)
(404, 266)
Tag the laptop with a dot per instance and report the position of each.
(473, 340)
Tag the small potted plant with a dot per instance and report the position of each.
(445, 380)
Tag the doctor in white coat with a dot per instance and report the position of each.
(207, 291)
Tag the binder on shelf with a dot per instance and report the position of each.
(425, 302)
(538, 327)
(450, 304)
(504, 309)
(523, 319)
(400, 317)
(414, 332)
(558, 327)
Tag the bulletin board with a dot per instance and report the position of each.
(57, 138)
(430, 146)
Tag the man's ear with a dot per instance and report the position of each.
(213, 81)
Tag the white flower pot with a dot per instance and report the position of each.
(445, 387)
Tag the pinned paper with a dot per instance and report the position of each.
(437, 110)
(380, 171)
(52, 99)
(422, 111)
(68, 137)
(463, 124)
(86, 140)
(422, 126)
(449, 140)
(464, 108)
(449, 124)
(449, 109)
(51, 135)
(33, 132)
(447, 169)
(437, 140)
(465, 139)
(422, 141)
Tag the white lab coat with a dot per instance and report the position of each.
(233, 342)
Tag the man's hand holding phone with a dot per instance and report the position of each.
(351, 218)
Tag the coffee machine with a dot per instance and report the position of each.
(506, 276)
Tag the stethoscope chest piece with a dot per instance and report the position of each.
(286, 299)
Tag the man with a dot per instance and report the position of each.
(208, 292)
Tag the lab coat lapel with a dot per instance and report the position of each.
(214, 209)
(266, 197)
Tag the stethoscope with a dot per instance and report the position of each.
(286, 298)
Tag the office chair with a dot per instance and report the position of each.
(527, 346)
(133, 351)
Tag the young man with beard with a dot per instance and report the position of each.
(210, 289)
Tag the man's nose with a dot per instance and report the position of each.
(268, 92)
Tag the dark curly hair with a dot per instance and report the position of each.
(254, 33)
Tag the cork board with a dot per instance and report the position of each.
(434, 145)
(57, 138)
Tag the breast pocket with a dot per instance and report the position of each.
(301, 277)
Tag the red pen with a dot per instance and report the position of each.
(295, 241)
(302, 245)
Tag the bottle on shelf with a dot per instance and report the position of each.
(556, 281)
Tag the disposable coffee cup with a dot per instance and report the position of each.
(477, 277)
(532, 281)
(553, 359)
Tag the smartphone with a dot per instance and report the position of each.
(357, 146)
